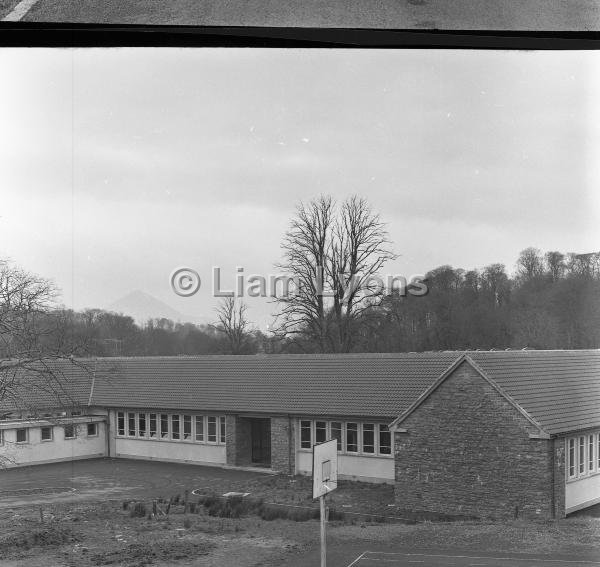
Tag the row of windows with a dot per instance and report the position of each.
(352, 436)
(583, 455)
(173, 427)
(47, 432)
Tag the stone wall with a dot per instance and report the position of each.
(283, 450)
(467, 451)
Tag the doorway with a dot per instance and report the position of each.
(260, 435)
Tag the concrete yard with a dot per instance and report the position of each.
(108, 479)
(574, 15)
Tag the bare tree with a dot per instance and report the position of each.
(334, 255)
(233, 324)
(33, 337)
(530, 263)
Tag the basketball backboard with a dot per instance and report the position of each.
(324, 468)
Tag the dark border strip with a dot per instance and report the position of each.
(25, 34)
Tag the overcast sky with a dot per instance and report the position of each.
(118, 166)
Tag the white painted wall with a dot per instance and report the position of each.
(582, 493)
(36, 451)
(160, 450)
(353, 467)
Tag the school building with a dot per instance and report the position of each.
(475, 433)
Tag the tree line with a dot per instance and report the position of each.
(550, 301)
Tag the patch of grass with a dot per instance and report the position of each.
(51, 535)
(139, 554)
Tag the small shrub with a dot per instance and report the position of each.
(138, 510)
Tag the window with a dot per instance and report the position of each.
(153, 425)
(305, 434)
(187, 427)
(21, 435)
(571, 458)
(212, 429)
(385, 440)
(46, 433)
(131, 424)
(368, 444)
(175, 427)
(581, 458)
(92, 429)
(142, 425)
(1, 437)
(352, 437)
(591, 459)
(222, 432)
(69, 431)
(336, 433)
(75, 413)
(199, 428)
(120, 423)
(320, 431)
(164, 426)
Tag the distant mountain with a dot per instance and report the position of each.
(142, 306)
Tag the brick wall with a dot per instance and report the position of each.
(283, 450)
(238, 441)
(559, 477)
(468, 452)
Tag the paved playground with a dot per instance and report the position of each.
(107, 479)
(574, 15)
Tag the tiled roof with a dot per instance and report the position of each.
(370, 385)
(559, 389)
(47, 384)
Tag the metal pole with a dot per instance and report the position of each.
(323, 542)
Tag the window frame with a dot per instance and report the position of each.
(165, 432)
(200, 419)
(310, 434)
(212, 419)
(354, 430)
(129, 422)
(26, 441)
(48, 439)
(187, 420)
(87, 429)
(121, 430)
(379, 445)
(141, 433)
(166, 426)
(340, 439)
(72, 427)
(338, 429)
(580, 447)
(582, 455)
(362, 438)
(156, 428)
